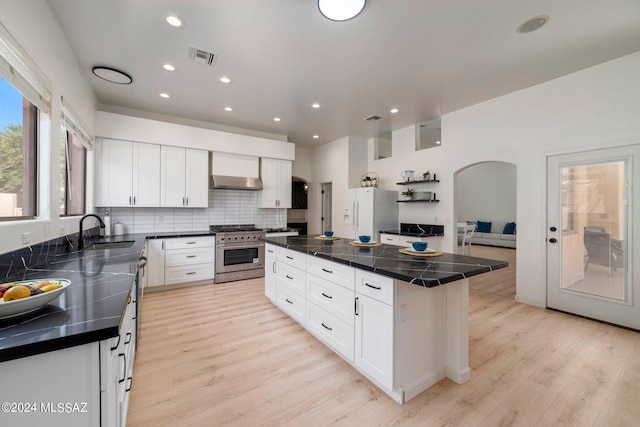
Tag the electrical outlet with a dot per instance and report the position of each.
(26, 237)
(62, 230)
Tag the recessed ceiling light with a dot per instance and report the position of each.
(438, 142)
(112, 75)
(225, 79)
(533, 24)
(228, 109)
(174, 21)
(315, 137)
(164, 95)
(169, 67)
(276, 119)
(340, 10)
(315, 105)
(393, 110)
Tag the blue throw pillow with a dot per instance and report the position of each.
(510, 228)
(483, 227)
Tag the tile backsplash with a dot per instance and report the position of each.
(225, 207)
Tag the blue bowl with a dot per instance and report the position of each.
(328, 234)
(364, 239)
(419, 246)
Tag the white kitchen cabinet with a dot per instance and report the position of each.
(189, 260)
(154, 270)
(276, 183)
(183, 177)
(434, 242)
(128, 174)
(374, 339)
(290, 283)
(270, 272)
(94, 378)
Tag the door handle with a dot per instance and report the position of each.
(552, 240)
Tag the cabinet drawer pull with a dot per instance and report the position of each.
(124, 371)
(117, 343)
(372, 287)
(327, 271)
(274, 267)
(288, 300)
(191, 273)
(134, 200)
(289, 257)
(191, 243)
(327, 296)
(355, 306)
(388, 239)
(270, 251)
(288, 277)
(128, 339)
(191, 256)
(130, 382)
(326, 327)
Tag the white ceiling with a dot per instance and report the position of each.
(424, 57)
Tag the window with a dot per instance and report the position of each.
(73, 159)
(18, 154)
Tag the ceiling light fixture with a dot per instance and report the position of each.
(340, 10)
(276, 119)
(169, 67)
(112, 75)
(315, 105)
(228, 109)
(225, 79)
(393, 110)
(174, 21)
(533, 24)
(164, 95)
(315, 137)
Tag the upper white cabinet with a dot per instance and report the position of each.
(276, 183)
(128, 174)
(184, 177)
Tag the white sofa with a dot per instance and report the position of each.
(496, 237)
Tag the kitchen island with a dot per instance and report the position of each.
(400, 320)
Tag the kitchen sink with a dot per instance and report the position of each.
(108, 244)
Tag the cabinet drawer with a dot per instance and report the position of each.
(377, 287)
(296, 259)
(291, 302)
(341, 274)
(293, 277)
(333, 298)
(336, 333)
(270, 251)
(188, 273)
(192, 242)
(177, 257)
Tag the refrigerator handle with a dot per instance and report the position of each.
(353, 216)
(357, 215)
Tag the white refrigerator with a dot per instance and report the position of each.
(369, 210)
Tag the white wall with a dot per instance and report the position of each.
(34, 27)
(301, 166)
(485, 192)
(117, 126)
(594, 108)
(330, 164)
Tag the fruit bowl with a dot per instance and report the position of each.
(30, 304)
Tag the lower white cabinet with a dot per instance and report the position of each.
(332, 330)
(85, 385)
(270, 272)
(175, 261)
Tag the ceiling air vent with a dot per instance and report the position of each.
(374, 118)
(202, 56)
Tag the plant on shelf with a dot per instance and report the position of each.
(426, 176)
(408, 194)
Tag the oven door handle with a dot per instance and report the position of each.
(242, 246)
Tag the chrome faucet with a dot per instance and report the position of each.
(80, 232)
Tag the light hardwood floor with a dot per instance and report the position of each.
(224, 355)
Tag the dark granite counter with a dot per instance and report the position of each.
(418, 230)
(92, 306)
(386, 260)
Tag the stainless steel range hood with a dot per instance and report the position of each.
(234, 182)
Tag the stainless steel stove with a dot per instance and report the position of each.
(239, 252)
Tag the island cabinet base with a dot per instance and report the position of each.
(403, 337)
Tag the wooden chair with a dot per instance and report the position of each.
(465, 236)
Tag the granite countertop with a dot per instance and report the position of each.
(92, 306)
(418, 230)
(386, 260)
